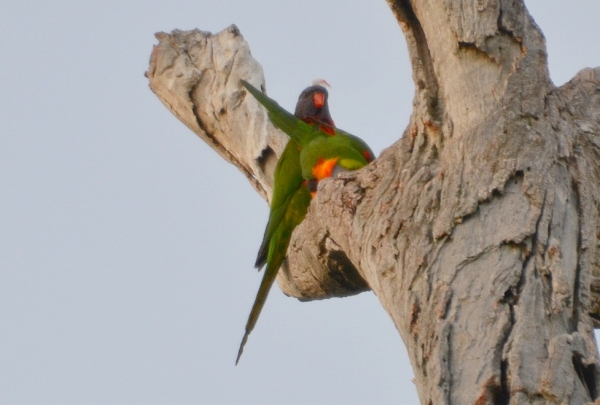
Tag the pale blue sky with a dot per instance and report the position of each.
(127, 246)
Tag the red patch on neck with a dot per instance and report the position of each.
(325, 124)
(328, 129)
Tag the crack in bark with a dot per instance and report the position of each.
(422, 61)
(502, 396)
(266, 155)
(586, 374)
(448, 392)
(576, 287)
(511, 298)
(231, 66)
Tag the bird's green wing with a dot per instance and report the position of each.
(358, 144)
(295, 128)
(288, 178)
(330, 152)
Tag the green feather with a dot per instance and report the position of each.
(288, 178)
(295, 128)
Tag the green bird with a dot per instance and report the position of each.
(312, 108)
(325, 151)
(291, 197)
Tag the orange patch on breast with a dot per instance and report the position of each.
(324, 168)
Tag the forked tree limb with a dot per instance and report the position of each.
(478, 230)
(197, 77)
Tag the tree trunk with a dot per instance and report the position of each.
(478, 230)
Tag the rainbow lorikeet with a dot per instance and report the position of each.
(312, 108)
(291, 194)
(318, 142)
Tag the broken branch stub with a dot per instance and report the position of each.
(197, 76)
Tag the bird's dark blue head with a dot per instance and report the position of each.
(312, 103)
(313, 107)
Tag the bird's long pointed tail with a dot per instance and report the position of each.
(259, 302)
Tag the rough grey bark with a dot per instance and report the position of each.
(478, 230)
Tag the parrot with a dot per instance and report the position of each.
(316, 150)
(312, 108)
(324, 153)
(291, 198)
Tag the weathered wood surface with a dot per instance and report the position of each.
(478, 230)
(196, 75)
